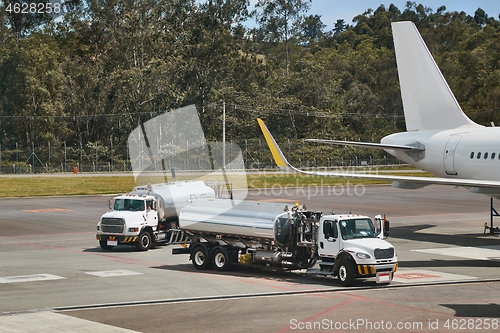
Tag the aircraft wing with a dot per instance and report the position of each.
(476, 186)
(368, 145)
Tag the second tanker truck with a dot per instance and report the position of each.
(271, 235)
(148, 214)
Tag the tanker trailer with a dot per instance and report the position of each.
(269, 235)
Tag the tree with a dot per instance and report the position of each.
(312, 27)
(281, 19)
(339, 27)
(480, 17)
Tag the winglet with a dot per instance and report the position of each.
(278, 156)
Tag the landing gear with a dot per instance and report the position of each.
(493, 213)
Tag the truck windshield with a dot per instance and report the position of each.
(357, 228)
(129, 204)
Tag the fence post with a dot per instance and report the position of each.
(64, 169)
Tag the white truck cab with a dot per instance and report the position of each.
(149, 214)
(350, 246)
(134, 219)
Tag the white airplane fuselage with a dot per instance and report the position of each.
(471, 152)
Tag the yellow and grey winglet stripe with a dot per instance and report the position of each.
(278, 156)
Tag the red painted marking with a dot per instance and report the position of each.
(414, 276)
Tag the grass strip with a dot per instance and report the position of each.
(90, 185)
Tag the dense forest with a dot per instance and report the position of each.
(72, 90)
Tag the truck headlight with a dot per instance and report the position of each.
(133, 229)
(363, 255)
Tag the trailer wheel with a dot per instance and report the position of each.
(347, 273)
(200, 257)
(220, 259)
(104, 245)
(144, 241)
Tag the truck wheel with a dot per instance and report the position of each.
(220, 259)
(144, 241)
(346, 273)
(200, 257)
(104, 245)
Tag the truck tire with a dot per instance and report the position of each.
(144, 241)
(104, 245)
(220, 259)
(346, 273)
(200, 257)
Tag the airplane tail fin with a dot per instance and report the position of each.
(428, 101)
(278, 156)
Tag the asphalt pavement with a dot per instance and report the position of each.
(55, 278)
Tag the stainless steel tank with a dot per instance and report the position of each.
(247, 219)
(176, 195)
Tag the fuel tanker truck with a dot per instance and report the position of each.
(148, 214)
(268, 235)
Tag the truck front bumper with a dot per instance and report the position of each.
(371, 270)
(117, 238)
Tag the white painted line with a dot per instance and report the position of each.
(30, 278)
(45, 322)
(478, 253)
(114, 273)
(421, 275)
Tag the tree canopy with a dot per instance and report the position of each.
(110, 65)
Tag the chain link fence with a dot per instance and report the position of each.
(98, 158)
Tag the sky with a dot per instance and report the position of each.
(332, 10)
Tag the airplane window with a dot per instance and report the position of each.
(479, 155)
(492, 156)
(485, 155)
(472, 155)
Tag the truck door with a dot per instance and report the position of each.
(449, 154)
(329, 242)
(151, 213)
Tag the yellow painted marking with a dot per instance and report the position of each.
(272, 144)
(48, 210)
(359, 270)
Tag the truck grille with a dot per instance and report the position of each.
(112, 225)
(384, 253)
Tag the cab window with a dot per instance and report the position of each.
(357, 228)
(330, 229)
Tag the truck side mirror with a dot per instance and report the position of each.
(111, 203)
(386, 228)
